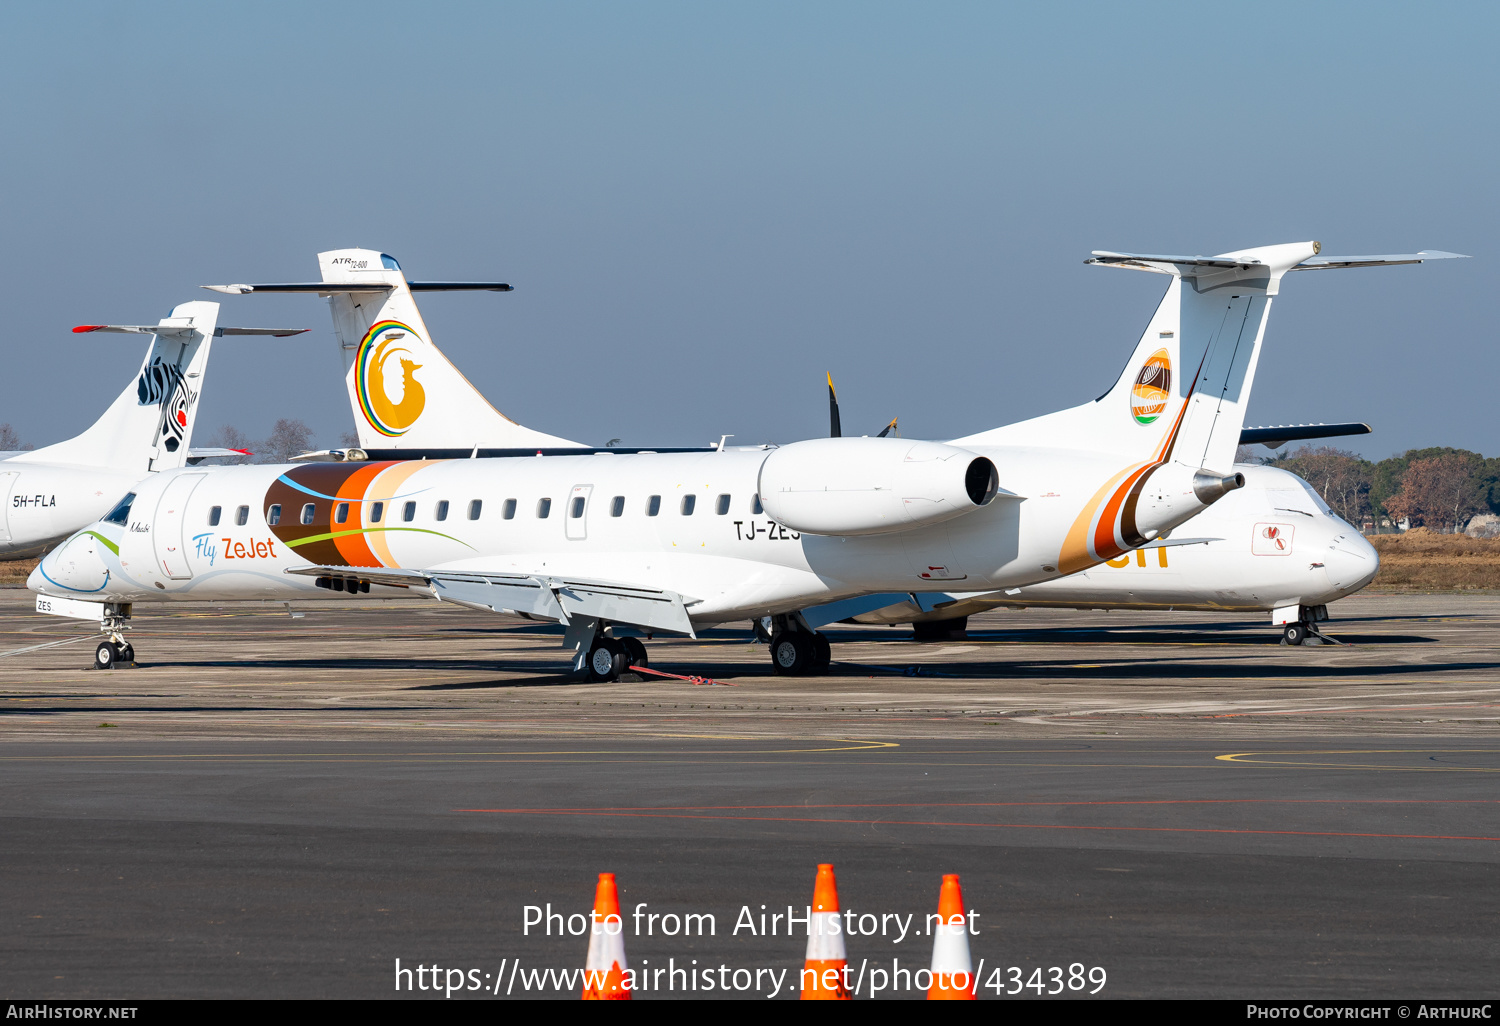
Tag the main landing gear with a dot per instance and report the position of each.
(114, 651)
(797, 651)
(605, 658)
(1304, 629)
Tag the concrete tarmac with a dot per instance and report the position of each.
(285, 807)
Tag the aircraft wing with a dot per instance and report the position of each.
(535, 596)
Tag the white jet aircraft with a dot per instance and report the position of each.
(1273, 545)
(51, 492)
(679, 541)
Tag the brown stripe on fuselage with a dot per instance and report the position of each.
(325, 479)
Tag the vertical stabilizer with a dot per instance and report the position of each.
(150, 425)
(404, 392)
(1182, 395)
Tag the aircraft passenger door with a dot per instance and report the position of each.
(576, 513)
(169, 533)
(7, 485)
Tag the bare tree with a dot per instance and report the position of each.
(229, 437)
(1442, 492)
(10, 441)
(289, 438)
(349, 439)
(1342, 478)
(1247, 454)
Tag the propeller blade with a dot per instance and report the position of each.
(835, 429)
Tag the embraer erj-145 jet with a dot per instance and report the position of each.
(51, 492)
(391, 364)
(678, 541)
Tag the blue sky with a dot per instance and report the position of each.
(704, 207)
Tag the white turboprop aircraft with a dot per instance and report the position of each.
(51, 492)
(678, 541)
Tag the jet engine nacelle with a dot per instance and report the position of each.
(854, 486)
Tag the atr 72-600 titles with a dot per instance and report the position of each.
(679, 541)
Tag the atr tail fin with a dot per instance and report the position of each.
(150, 425)
(1182, 396)
(404, 391)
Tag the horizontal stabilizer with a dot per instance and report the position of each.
(533, 595)
(177, 330)
(328, 288)
(321, 287)
(1322, 263)
(209, 453)
(1104, 257)
(1274, 436)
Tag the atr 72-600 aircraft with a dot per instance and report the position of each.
(679, 541)
(51, 492)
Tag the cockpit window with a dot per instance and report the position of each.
(389, 262)
(121, 513)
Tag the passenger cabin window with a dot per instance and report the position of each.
(653, 505)
(509, 512)
(341, 513)
(213, 515)
(273, 515)
(543, 509)
(121, 513)
(442, 509)
(577, 507)
(377, 510)
(688, 503)
(755, 505)
(723, 506)
(409, 512)
(617, 506)
(475, 507)
(242, 516)
(307, 513)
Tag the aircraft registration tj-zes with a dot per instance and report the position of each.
(604, 542)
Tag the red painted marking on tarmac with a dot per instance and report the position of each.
(1005, 826)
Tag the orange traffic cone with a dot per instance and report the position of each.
(952, 970)
(604, 972)
(823, 975)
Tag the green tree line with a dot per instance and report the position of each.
(1439, 487)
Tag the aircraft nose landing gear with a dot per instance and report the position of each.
(114, 651)
(1304, 629)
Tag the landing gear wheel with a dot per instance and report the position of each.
(635, 652)
(127, 653)
(606, 660)
(106, 655)
(791, 653)
(822, 654)
(1294, 633)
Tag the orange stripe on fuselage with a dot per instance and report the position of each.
(1105, 546)
(1075, 548)
(386, 486)
(349, 536)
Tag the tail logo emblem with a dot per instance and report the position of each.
(162, 383)
(376, 350)
(1148, 397)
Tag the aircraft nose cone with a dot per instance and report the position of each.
(1351, 562)
(75, 567)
